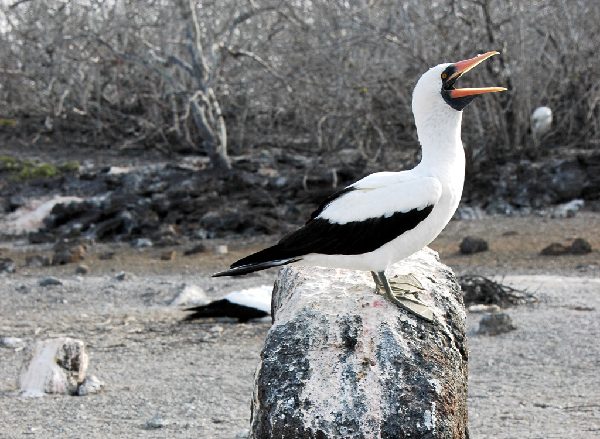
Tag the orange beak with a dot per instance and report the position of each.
(463, 67)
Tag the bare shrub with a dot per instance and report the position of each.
(318, 76)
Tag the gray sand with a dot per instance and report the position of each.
(540, 381)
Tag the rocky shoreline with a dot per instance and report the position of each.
(269, 194)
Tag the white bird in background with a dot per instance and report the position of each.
(387, 216)
(244, 305)
(541, 122)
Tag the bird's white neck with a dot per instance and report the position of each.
(442, 155)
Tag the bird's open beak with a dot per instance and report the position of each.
(463, 67)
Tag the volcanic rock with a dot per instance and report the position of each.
(555, 249)
(340, 361)
(473, 244)
(580, 247)
(495, 324)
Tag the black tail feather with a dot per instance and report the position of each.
(273, 256)
(237, 270)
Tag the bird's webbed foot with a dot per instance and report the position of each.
(403, 291)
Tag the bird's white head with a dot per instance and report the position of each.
(437, 106)
(435, 96)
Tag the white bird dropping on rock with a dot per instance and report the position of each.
(56, 365)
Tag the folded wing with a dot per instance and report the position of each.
(359, 219)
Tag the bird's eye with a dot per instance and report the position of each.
(444, 75)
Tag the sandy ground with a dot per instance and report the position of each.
(540, 381)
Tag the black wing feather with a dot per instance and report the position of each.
(225, 308)
(352, 238)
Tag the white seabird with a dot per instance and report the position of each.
(387, 216)
(541, 122)
(244, 305)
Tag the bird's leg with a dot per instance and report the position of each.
(378, 285)
(404, 294)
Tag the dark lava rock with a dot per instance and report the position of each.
(580, 247)
(473, 244)
(16, 201)
(7, 265)
(567, 180)
(555, 249)
(495, 324)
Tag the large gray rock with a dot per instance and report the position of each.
(56, 365)
(342, 362)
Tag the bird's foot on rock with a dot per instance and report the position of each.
(406, 286)
(403, 291)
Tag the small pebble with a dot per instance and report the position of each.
(189, 295)
(11, 342)
(82, 269)
(481, 308)
(473, 244)
(221, 249)
(495, 324)
(142, 243)
(121, 276)
(168, 255)
(200, 248)
(216, 330)
(49, 281)
(90, 385)
(156, 422)
(106, 256)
